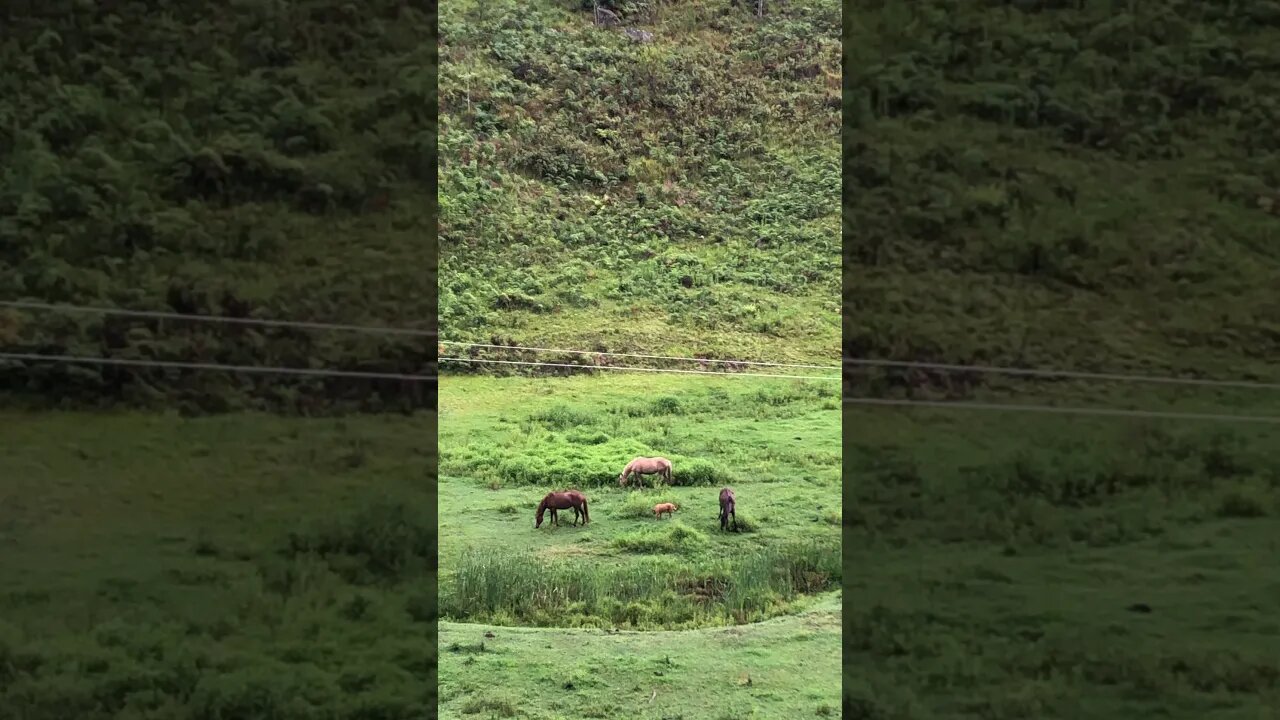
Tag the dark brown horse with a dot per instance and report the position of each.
(726, 509)
(563, 501)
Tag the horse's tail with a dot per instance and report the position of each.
(585, 515)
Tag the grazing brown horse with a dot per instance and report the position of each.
(642, 466)
(667, 508)
(726, 509)
(563, 501)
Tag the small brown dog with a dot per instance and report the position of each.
(667, 508)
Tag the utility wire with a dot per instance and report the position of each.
(263, 369)
(321, 372)
(1081, 375)
(1112, 412)
(639, 355)
(881, 402)
(847, 361)
(158, 315)
(638, 369)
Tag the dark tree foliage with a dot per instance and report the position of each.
(236, 158)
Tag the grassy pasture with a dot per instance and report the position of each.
(244, 566)
(627, 590)
(1013, 566)
(772, 669)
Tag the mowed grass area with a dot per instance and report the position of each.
(1004, 566)
(628, 589)
(786, 667)
(243, 566)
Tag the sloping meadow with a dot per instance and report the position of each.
(587, 445)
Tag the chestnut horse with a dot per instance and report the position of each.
(667, 508)
(642, 466)
(726, 509)
(563, 501)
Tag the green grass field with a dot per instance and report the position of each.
(780, 668)
(245, 566)
(592, 620)
(1010, 566)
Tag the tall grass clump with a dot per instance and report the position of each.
(383, 541)
(674, 537)
(596, 461)
(562, 417)
(781, 573)
(686, 472)
(518, 588)
(639, 505)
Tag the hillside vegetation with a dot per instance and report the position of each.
(606, 193)
(230, 158)
(1086, 185)
(1082, 184)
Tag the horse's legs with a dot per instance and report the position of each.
(735, 520)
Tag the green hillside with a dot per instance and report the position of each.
(237, 158)
(676, 195)
(1069, 184)
(1086, 185)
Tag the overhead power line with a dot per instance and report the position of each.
(847, 361)
(321, 372)
(639, 355)
(639, 369)
(159, 315)
(261, 369)
(368, 329)
(1077, 374)
(880, 402)
(1012, 407)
